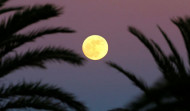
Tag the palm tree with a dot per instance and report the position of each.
(33, 95)
(172, 92)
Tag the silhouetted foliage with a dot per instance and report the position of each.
(172, 93)
(33, 95)
(118, 109)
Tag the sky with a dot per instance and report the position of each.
(99, 86)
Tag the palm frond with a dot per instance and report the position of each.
(166, 67)
(171, 94)
(139, 83)
(162, 91)
(139, 103)
(22, 19)
(179, 62)
(148, 44)
(164, 59)
(118, 109)
(170, 71)
(19, 39)
(32, 102)
(5, 10)
(33, 95)
(184, 27)
(37, 58)
(172, 106)
(2, 2)
(41, 90)
(153, 96)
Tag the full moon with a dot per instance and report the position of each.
(95, 47)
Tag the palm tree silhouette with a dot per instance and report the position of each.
(33, 95)
(172, 92)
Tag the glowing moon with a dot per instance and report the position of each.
(95, 47)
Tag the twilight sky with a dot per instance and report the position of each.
(97, 85)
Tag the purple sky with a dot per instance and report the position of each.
(96, 84)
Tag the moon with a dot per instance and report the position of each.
(95, 47)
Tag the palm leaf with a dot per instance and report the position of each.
(139, 103)
(32, 102)
(5, 10)
(37, 58)
(41, 90)
(25, 18)
(33, 95)
(171, 94)
(2, 2)
(165, 65)
(172, 106)
(118, 109)
(139, 83)
(179, 62)
(184, 27)
(19, 39)
(153, 96)
(149, 46)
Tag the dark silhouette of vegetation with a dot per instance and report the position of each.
(33, 95)
(172, 93)
(118, 109)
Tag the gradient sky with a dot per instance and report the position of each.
(97, 85)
